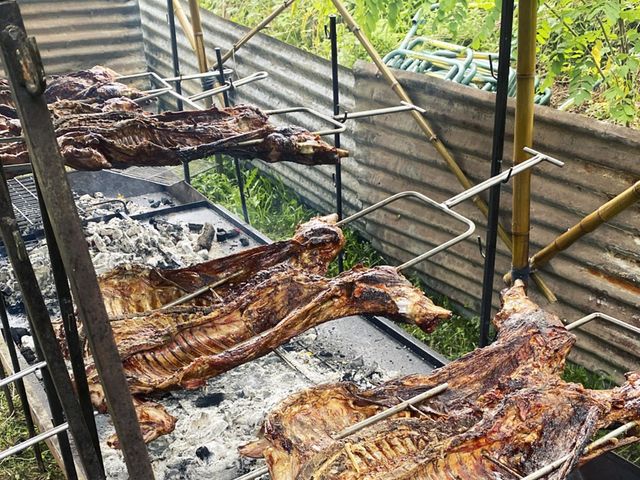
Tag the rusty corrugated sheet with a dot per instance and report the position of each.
(77, 35)
(295, 78)
(600, 273)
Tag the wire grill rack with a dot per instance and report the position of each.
(25, 204)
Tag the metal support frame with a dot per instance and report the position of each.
(25, 72)
(497, 151)
(67, 313)
(447, 205)
(17, 378)
(428, 130)
(333, 38)
(175, 58)
(602, 316)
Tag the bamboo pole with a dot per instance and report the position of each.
(184, 23)
(523, 137)
(261, 26)
(201, 54)
(588, 224)
(430, 133)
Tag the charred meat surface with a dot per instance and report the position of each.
(121, 139)
(135, 288)
(184, 347)
(96, 84)
(505, 414)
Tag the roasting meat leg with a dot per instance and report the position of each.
(182, 348)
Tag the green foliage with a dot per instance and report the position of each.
(594, 48)
(22, 466)
(590, 51)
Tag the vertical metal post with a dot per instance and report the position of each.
(176, 72)
(499, 123)
(236, 162)
(333, 37)
(22, 393)
(25, 73)
(65, 302)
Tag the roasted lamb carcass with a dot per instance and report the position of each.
(505, 414)
(124, 139)
(183, 348)
(132, 289)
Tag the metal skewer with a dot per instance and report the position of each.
(200, 291)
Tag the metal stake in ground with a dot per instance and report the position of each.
(26, 76)
(430, 133)
(333, 37)
(499, 123)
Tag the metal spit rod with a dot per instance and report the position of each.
(22, 373)
(446, 206)
(367, 422)
(35, 440)
(603, 316)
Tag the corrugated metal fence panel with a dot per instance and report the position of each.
(78, 35)
(295, 79)
(600, 273)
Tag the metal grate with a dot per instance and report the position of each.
(25, 204)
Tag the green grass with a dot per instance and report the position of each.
(275, 210)
(22, 466)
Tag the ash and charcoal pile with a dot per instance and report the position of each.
(216, 419)
(116, 241)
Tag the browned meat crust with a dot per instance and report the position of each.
(505, 414)
(136, 289)
(184, 347)
(121, 139)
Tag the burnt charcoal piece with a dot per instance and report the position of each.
(17, 333)
(203, 453)
(505, 414)
(244, 241)
(121, 139)
(205, 240)
(135, 289)
(209, 400)
(183, 347)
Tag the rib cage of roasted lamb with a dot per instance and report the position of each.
(505, 414)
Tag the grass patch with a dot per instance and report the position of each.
(23, 466)
(275, 210)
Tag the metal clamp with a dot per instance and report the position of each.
(229, 85)
(447, 205)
